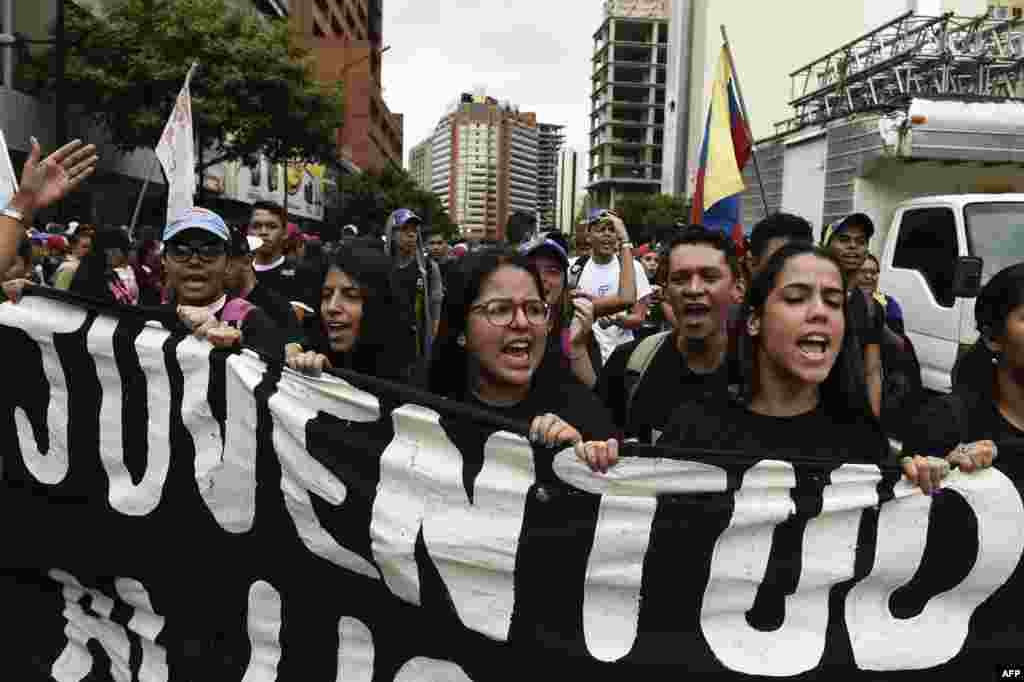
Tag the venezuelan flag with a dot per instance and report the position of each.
(726, 150)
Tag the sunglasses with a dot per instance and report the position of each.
(206, 251)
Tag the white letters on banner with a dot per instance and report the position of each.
(741, 557)
(611, 598)
(295, 404)
(75, 662)
(882, 642)
(125, 496)
(263, 623)
(229, 486)
(474, 544)
(42, 320)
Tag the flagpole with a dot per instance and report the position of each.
(145, 186)
(746, 119)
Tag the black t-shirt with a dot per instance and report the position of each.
(290, 283)
(939, 426)
(868, 328)
(558, 392)
(275, 306)
(407, 282)
(815, 435)
(668, 382)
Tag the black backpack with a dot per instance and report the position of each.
(902, 389)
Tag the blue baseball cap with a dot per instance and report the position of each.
(402, 216)
(545, 242)
(200, 219)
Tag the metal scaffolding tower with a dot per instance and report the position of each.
(911, 56)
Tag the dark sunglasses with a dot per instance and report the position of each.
(206, 251)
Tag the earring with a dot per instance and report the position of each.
(461, 340)
(996, 357)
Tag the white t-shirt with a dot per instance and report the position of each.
(603, 280)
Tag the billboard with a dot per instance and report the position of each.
(255, 178)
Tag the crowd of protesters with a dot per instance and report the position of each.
(691, 340)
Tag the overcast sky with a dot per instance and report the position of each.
(535, 53)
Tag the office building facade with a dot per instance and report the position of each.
(484, 165)
(420, 157)
(346, 38)
(568, 182)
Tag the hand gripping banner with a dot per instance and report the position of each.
(178, 513)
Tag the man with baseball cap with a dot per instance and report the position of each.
(195, 263)
(417, 278)
(848, 240)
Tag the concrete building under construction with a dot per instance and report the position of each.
(627, 119)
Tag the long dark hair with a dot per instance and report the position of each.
(844, 393)
(1000, 297)
(449, 371)
(385, 345)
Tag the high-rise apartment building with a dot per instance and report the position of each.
(567, 192)
(484, 164)
(420, 157)
(550, 140)
(627, 119)
(345, 37)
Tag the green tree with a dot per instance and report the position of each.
(369, 198)
(646, 214)
(254, 90)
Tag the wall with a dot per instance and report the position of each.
(769, 40)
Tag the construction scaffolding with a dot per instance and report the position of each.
(911, 56)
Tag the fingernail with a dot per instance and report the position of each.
(34, 140)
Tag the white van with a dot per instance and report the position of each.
(925, 258)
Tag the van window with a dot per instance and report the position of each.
(994, 234)
(928, 244)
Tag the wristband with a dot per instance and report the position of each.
(13, 214)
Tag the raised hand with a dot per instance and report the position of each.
(51, 179)
(582, 322)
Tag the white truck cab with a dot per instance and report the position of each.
(918, 260)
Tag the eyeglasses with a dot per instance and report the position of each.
(502, 311)
(207, 251)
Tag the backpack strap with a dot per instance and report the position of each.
(576, 271)
(636, 367)
(960, 412)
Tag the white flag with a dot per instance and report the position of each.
(8, 180)
(177, 153)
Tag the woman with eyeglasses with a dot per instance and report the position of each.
(493, 335)
(195, 263)
(360, 326)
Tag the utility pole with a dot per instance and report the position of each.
(59, 102)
